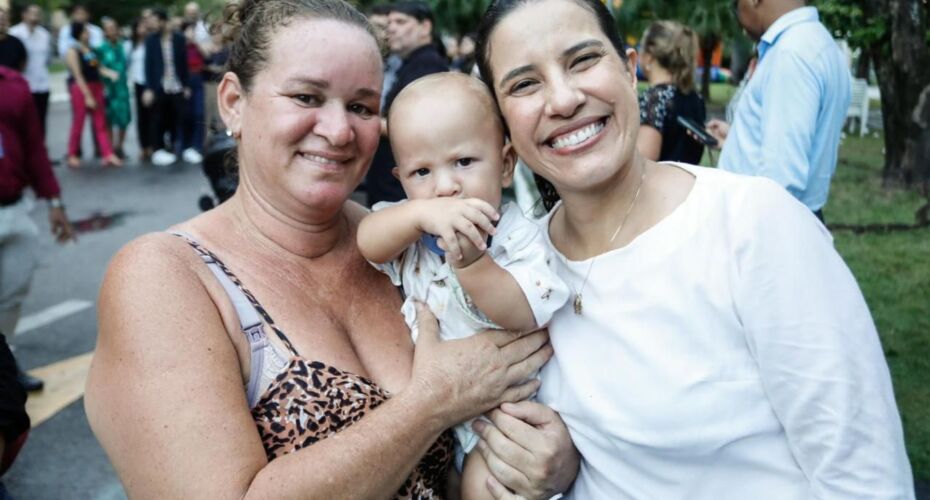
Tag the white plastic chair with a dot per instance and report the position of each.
(859, 105)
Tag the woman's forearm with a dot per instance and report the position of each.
(370, 459)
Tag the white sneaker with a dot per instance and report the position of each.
(163, 158)
(192, 156)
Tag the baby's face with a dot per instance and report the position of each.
(446, 146)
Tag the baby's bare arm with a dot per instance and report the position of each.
(497, 294)
(385, 234)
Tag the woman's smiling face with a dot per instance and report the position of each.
(568, 97)
(310, 125)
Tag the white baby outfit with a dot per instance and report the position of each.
(519, 247)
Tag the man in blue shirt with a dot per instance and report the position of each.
(788, 120)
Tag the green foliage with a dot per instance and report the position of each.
(847, 19)
(458, 17)
(708, 18)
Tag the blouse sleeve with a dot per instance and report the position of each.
(653, 108)
(818, 352)
(523, 253)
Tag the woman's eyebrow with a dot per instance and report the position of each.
(574, 49)
(303, 80)
(578, 47)
(300, 81)
(515, 73)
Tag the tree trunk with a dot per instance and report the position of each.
(863, 65)
(903, 70)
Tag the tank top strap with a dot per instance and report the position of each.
(248, 310)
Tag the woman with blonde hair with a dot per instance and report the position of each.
(667, 60)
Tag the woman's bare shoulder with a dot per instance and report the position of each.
(152, 255)
(164, 360)
(157, 270)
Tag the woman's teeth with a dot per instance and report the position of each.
(578, 136)
(320, 159)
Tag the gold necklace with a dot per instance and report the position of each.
(577, 301)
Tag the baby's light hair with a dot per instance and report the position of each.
(439, 82)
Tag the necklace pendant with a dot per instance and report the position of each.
(577, 304)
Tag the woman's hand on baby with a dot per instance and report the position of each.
(528, 451)
(466, 377)
(446, 217)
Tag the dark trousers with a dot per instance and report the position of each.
(14, 422)
(169, 112)
(194, 121)
(145, 119)
(41, 100)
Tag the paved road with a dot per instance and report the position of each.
(61, 458)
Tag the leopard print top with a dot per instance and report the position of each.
(309, 401)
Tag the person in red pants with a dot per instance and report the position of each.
(87, 97)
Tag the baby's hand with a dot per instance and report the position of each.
(449, 217)
(470, 253)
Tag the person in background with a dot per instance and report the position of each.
(112, 54)
(213, 73)
(378, 17)
(667, 60)
(23, 164)
(196, 54)
(86, 89)
(13, 53)
(410, 36)
(465, 60)
(14, 421)
(144, 116)
(79, 14)
(790, 116)
(201, 32)
(38, 43)
(166, 87)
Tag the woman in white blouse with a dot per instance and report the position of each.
(717, 346)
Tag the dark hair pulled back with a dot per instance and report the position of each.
(249, 27)
(496, 13)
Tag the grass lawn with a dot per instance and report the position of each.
(893, 270)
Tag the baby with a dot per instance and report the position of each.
(451, 244)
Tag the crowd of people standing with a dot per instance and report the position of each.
(167, 62)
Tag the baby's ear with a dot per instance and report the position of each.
(396, 173)
(509, 157)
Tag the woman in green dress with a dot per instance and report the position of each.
(112, 56)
